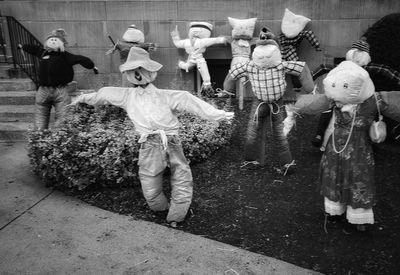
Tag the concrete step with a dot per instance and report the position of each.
(14, 130)
(4, 70)
(13, 113)
(17, 84)
(17, 98)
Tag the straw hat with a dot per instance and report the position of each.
(139, 57)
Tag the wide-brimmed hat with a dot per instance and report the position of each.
(139, 57)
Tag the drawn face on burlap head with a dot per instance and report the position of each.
(348, 83)
(293, 24)
(139, 68)
(267, 54)
(200, 30)
(56, 41)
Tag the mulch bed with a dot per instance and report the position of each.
(281, 217)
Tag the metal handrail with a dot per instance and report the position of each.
(20, 35)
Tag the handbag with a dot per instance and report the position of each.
(377, 130)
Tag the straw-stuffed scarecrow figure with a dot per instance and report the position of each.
(153, 112)
(384, 77)
(197, 43)
(266, 73)
(347, 165)
(55, 76)
(292, 34)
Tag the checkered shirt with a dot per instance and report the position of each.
(268, 84)
(289, 45)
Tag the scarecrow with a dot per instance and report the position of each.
(153, 112)
(197, 43)
(347, 165)
(55, 76)
(266, 73)
(292, 35)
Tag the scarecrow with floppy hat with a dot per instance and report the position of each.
(55, 75)
(153, 112)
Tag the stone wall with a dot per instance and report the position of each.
(88, 23)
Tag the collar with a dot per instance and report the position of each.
(148, 88)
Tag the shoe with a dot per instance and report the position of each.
(286, 169)
(250, 165)
(317, 141)
(349, 228)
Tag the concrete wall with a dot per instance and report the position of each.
(88, 23)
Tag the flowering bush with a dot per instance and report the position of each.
(98, 146)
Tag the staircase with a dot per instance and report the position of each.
(17, 104)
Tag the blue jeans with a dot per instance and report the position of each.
(153, 160)
(280, 143)
(45, 99)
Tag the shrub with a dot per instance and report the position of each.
(98, 146)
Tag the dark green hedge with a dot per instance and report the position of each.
(98, 146)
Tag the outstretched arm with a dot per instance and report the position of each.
(387, 72)
(184, 101)
(176, 39)
(108, 95)
(312, 39)
(35, 50)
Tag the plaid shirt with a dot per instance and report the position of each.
(372, 68)
(268, 84)
(289, 45)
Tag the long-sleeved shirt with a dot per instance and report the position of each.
(268, 84)
(384, 77)
(197, 46)
(55, 68)
(289, 45)
(152, 109)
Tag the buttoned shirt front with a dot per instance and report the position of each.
(268, 84)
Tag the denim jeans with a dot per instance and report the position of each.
(279, 141)
(45, 99)
(153, 160)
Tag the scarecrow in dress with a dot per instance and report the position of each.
(197, 43)
(153, 112)
(347, 165)
(379, 61)
(55, 76)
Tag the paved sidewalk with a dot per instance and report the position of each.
(45, 232)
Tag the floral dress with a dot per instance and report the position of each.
(348, 177)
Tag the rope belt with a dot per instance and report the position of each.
(163, 136)
(271, 110)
